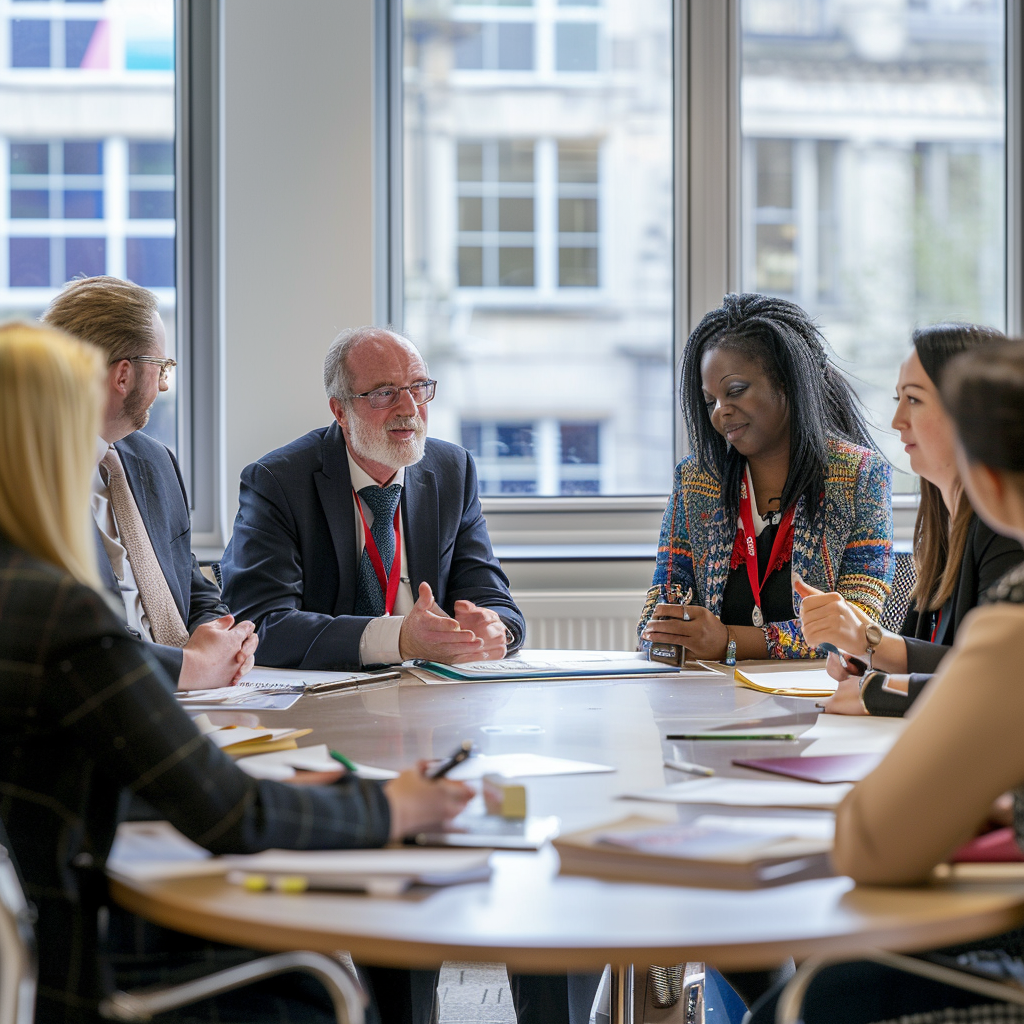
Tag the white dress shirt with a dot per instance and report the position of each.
(379, 643)
(103, 513)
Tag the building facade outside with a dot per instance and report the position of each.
(87, 155)
(539, 210)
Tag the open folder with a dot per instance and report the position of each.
(543, 664)
(808, 682)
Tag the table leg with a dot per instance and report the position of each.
(622, 994)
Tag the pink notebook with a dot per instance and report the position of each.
(833, 768)
(999, 846)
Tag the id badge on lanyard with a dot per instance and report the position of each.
(783, 536)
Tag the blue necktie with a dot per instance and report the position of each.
(382, 502)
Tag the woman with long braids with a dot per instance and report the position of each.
(784, 481)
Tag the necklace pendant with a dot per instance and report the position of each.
(757, 618)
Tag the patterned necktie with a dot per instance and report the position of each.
(382, 502)
(164, 618)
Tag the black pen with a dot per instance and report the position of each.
(461, 753)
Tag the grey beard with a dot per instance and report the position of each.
(378, 447)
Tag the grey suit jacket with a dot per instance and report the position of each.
(155, 481)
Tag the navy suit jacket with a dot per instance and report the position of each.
(156, 484)
(290, 565)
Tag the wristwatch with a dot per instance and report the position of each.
(873, 637)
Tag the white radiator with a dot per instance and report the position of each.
(583, 620)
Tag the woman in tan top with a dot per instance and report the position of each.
(962, 748)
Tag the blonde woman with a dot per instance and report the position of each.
(86, 712)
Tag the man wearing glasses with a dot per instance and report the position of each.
(363, 542)
(139, 503)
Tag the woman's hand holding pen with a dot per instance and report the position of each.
(690, 625)
(418, 802)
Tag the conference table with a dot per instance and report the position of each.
(527, 915)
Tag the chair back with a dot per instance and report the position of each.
(17, 944)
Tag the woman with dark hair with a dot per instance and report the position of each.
(957, 557)
(783, 481)
(961, 748)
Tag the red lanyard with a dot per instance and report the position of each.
(388, 581)
(783, 540)
(935, 628)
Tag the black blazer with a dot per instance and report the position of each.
(290, 565)
(155, 481)
(85, 714)
(987, 557)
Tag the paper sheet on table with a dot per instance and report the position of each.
(821, 826)
(748, 793)
(851, 734)
(808, 682)
(151, 850)
(282, 764)
(235, 699)
(156, 849)
(522, 766)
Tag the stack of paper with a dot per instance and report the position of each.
(647, 850)
(285, 764)
(748, 793)
(155, 851)
(240, 741)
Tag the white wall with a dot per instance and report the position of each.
(296, 200)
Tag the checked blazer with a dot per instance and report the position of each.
(85, 715)
(847, 547)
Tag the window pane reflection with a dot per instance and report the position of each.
(873, 179)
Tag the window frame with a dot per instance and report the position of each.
(198, 262)
(707, 198)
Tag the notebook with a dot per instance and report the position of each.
(647, 850)
(837, 768)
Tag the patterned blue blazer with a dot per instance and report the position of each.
(847, 548)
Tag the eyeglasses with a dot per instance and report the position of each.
(384, 398)
(166, 365)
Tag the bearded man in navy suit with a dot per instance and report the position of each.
(205, 647)
(363, 542)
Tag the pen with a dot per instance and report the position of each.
(461, 752)
(343, 684)
(342, 759)
(689, 766)
(788, 736)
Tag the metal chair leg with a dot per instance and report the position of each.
(142, 1005)
(791, 1001)
(693, 993)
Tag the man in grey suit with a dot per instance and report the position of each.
(143, 529)
(363, 542)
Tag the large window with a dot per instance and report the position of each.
(87, 155)
(873, 173)
(538, 237)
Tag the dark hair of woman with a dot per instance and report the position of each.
(984, 394)
(938, 545)
(781, 337)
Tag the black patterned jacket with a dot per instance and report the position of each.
(86, 713)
